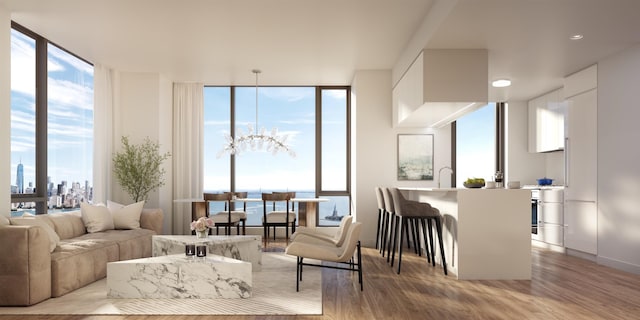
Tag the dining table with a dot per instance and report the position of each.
(307, 208)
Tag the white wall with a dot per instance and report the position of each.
(374, 151)
(618, 161)
(520, 164)
(142, 109)
(5, 111)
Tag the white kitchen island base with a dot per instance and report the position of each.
(179, 276)
(486, 232)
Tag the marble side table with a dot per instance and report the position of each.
(245, 248)
(179, 276)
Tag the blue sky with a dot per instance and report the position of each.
(70, 113)
(476, 145)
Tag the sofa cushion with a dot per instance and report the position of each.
(125, 217)
(68, 224)
(96, 218)
(78, 262)
(54, 239)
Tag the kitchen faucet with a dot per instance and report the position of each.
(440, 173)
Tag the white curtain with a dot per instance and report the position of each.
(102, 132)
(188, 128)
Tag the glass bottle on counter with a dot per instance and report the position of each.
(499, 179)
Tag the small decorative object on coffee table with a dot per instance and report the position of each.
(202, 226)
(190, 249)
(201, 250)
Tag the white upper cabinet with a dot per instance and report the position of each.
(581, 181)
(546, 122)
(440, 86)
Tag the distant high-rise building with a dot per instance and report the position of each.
(20, 178)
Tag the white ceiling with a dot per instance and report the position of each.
(307, 42)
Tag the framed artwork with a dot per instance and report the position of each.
(415, 157)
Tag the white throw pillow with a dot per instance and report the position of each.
(54, 239)
(96, 218)
(4, 221)
(125, 217)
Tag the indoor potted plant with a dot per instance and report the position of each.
(138, 167)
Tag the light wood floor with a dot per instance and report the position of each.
(562, 287)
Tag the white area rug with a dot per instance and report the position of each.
(274, 292)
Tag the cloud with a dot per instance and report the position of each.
(23, 63)
(55, 53)
(335, 93)
(71, 94)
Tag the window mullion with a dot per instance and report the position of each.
(41, 125)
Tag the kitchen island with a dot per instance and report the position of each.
(486, 232)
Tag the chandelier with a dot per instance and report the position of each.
(256, 140)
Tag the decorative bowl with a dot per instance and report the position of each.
(473, 185)
(545, 181)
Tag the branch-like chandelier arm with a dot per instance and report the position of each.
(256, 139)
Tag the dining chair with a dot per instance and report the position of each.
(341, 255)
(242, 214)
(277, 217)
(292, 194)
(222, 218)
(408, 211)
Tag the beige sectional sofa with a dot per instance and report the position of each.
(32, 269)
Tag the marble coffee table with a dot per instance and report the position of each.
(179, 276)
(245, 248)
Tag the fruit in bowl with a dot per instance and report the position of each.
(474, 183)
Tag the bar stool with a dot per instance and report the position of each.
(388, 223)
(393, 224)
(381, 217)
(408, 210)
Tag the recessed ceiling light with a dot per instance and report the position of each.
(501, 83)
(576, 37)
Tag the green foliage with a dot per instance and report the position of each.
(137, 168)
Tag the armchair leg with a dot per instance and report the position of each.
(359, 266)
(298, 273)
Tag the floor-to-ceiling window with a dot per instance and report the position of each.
(476, 145)
(303, 115)
(51, 125)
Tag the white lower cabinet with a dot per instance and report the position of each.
(581, 219)
(551, 217)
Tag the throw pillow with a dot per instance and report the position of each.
(4, 221)
(125, 217)
(54, 239)
(96, 218)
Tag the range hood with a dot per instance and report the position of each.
(440, 86)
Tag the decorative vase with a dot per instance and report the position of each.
(202, 234)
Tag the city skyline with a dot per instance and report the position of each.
(69, 114)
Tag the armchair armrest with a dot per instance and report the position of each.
(25, 265)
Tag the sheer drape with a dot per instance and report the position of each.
(188, 127)
(102, 130)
